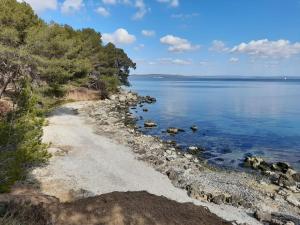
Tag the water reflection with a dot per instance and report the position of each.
(256, 117)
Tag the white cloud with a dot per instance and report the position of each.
(184, 16)
(177, 44)
(102, 11)
(40, 6)
(71, 6)
(168, 61)
(120, 36)
(218, 46)
(172, 3)
(268, 49)
(148, 33)
(234, 60)
(140, 6)
(141, 9)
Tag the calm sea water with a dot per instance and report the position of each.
(235, 117)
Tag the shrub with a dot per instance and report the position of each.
(21, 139)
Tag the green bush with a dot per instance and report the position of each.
(21, 139)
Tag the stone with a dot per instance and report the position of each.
(281, 166)
(194, 150)
(296, 177)
(145, 110)
(194, 128)
(188, 156)
(262, 216)
(289, 223)
(219, 199)
(286, 181)
(172, 174)
(172, 130)
(150, 124)
(292, 200)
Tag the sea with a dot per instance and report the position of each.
(236, 116)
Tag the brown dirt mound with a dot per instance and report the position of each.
(138, 208)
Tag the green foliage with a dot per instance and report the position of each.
(21, 139)
(111, 83)
(52, 57)
(16, 18)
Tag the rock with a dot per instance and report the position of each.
(253, 161)
(281, 166)
(194, 150)
(286, 181)
(148, 99)
(188, 156)
(282, 192)
(292, 200)
(172, 174)
(296, 177)
(196, 160)
(289, 223)
(150, 124)
(194, 128)
(172, 130)
(219, 199)
(145, 110)
(263, 216)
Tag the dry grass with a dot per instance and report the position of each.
(82, 94)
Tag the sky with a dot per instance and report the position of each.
(192, 37)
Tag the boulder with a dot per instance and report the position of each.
(145, 110)
(219, 199)
(194, 128)
(263, 216)
(281, 166)
(296, 177)
(286, 181)
(194, 150)
(150, 124)
(172, 130)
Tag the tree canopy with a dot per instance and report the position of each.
(61, 54)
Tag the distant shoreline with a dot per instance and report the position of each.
(221, 77)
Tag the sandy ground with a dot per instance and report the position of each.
(83, 160)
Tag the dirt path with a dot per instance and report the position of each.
(87, 163)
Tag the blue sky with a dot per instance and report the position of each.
(192, 37)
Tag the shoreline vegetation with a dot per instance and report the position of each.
(42, 66)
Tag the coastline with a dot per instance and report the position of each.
(96, 149)
(201, 181)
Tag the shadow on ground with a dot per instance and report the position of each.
(140, 208)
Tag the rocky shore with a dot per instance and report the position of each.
(271, 202)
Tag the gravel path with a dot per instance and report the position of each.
(88, 163)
